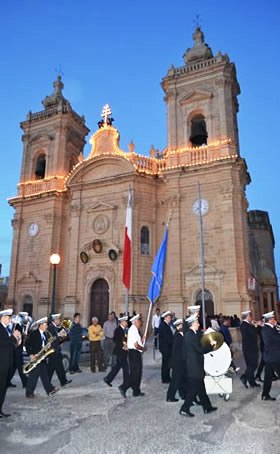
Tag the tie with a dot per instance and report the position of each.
(43, 340)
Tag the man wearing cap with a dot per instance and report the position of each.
(120, 350)
(165, 336)
(135, 348)
(250, 349)
(193, 354)
(55, 361)
(178, 377)
(34, 344)
(271, 353)
(8, 342)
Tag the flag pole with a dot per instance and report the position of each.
(151, 303)
(202, 277)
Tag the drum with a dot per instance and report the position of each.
(217, 362)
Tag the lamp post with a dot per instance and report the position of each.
(55, 260)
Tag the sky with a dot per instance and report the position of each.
(117, 52)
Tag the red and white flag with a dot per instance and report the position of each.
(127, 243)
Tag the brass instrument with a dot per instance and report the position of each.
(212, 336)
(66, 323)
(40, 356)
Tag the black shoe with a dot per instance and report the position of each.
(268, 397)
(107, 382)
(122, 391)
(71, 372)
(172, 400)
(67, 382)
(4, 415)
(274, 378)
(196, 402)
(186, 413)
(12, 385)
(255, 385)
(139, 394)
(209, 410)
(53, 391)
(244, 381)
(79, 371)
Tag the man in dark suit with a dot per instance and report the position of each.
(120, 351)
(165, 337)
(250, 349)
(34, 343)
(8, 342)
(271, 353)
(18, 352)
(178, 377)
(55, 361)
(194, 356)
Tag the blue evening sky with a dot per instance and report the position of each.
(116, 52)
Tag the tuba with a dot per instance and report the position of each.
(40, 356)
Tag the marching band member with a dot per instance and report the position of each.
(55, 361)
(271, 353)
(250, 349)
(193, 354)
(135, 349)
(34, 343)
(18, 351)
(165, 336)
(178, 377)
(7, 343)
(120, 350)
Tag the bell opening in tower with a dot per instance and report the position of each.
(199, 134)
(40, 169)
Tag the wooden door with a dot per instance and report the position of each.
(99, 301)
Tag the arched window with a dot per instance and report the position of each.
(40, 168)
(199, 134)
(145, 241)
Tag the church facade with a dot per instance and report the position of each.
(76, 206)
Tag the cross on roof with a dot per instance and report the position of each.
(106, 112)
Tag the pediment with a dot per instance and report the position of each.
(195, 95)
(41, 137)
(28, 279)
(101, 168)
(100, 206)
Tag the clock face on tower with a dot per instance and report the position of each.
(200, 206)
(33, 229)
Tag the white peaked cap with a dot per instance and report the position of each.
(135, 317)
(42, 320)
(6, 312)
(268, 315)
(23, 314)
(55, 316)
(179, 321)
(124, 317)
(191, 318)
(246, 313)
(193, 309)
(165, 314)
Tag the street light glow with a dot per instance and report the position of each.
(55, 259)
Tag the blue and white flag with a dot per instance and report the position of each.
(158, 270)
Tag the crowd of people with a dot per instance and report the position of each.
(119, 344)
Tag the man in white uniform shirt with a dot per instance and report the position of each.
(135, 349)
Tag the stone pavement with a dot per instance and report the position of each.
(88, 417)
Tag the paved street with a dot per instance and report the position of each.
(88, 417)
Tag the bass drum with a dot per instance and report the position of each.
(217, 362)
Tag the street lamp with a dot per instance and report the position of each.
(55, 260)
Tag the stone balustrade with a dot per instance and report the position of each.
(40, 186)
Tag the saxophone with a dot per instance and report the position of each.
(40, 356)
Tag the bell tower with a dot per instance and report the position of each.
(201, 98)
(53, 138)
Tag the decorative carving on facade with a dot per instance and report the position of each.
(16, 223)
(50, 218)
(76, 210)
(101, 224)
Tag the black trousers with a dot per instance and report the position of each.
(135, 375)
(178, 382)
(260, 368)
(42, 372)
(55, 363)
(165, 369)
(18, 365)
(156, 337)
(4, 377)
(251, 365)
(269, 370)
(196, 387)
(122, 363)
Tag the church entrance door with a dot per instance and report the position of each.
(99, 301)
(208, 301)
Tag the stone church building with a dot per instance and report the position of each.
(76, 206)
